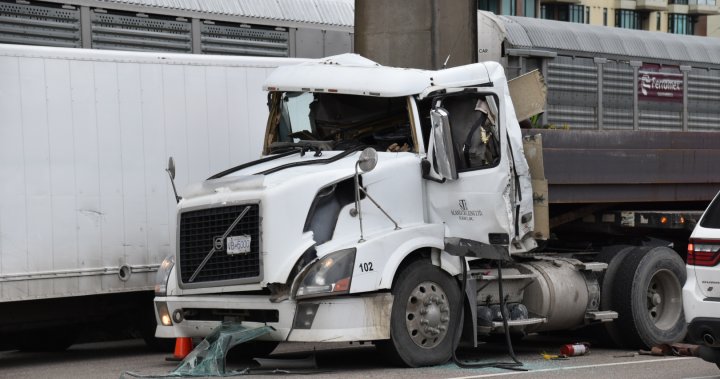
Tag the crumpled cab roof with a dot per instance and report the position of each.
(354, 75)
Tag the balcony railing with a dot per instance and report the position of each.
(652, 5)
(703, 7)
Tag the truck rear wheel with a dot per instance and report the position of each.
(647, 294)
(425, 315)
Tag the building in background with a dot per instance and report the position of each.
(276, 28)
(693, 17)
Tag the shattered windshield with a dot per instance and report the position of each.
(340, 122)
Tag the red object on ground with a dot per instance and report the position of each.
(183, 347)
(574, 349)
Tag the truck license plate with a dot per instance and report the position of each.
(238, 244)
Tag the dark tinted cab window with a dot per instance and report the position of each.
(711, 219)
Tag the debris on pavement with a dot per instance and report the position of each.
(575, 349)
(287, 364)
(208, 358)
(553, 357)
(676, 349)
(629, 355)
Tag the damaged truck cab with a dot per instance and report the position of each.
(378, 188)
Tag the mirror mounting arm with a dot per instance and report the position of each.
(425, 170)
(177, 197)
(366, 162)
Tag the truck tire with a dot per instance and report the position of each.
(608, 332)
(425, 314)
(647, 294)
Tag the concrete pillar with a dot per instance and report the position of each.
(416, 33)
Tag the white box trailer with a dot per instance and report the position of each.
(87, 213)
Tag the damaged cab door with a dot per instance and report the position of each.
(473, 196)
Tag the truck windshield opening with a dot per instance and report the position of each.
(341, 122)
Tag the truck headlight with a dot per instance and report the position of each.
(163, 275)
(163, 313)
(329, 275)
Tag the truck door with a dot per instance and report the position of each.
(475, 201)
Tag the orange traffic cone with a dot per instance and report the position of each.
(183, 347)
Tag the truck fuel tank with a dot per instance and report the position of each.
(562, 293)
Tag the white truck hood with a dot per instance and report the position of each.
(286, 197)
(253, 177)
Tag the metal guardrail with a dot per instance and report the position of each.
(702, 2)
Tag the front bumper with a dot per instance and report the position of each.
(333, 319)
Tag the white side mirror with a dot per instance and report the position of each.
(171, 168)
(368, 159)
(442, 140)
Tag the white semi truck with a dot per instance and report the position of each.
(86, 216)
(381, 194)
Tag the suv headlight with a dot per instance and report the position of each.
(329, 275)
(163, 275)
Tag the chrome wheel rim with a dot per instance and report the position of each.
(427, 315)
(664, 299)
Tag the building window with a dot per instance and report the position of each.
(508, 8)
(605, 16)
(680, 24)
(563, 12)
(529, 8)
(489, 5)
(657, 21)
(627, 19)
(681, 2)
(576, 13)
(587, 15)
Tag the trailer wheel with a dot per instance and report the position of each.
(648, 296)
(425, 314)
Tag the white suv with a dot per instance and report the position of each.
(701, 294)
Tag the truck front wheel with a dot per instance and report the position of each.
(647, 294)
(425, 315)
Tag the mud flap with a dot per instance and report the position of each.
(208, 358)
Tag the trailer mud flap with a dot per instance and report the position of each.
(208, 358)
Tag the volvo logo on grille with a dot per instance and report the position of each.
(218, 243)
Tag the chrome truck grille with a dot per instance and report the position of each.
(208, 246)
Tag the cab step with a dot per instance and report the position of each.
(525, 322)
(600, 316)
(497, 326)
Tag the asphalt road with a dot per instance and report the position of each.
(111, 359)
